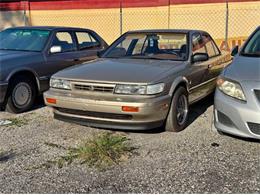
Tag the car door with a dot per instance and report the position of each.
(66, 57)
(216, 62)
(88, 46)
(198, 71)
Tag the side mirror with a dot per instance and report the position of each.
(200, 57)
(235, 51)
(55, 49)
(117, 52)
(100, 53)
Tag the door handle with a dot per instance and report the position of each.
(210, 66)
(76, 60)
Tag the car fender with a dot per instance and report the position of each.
(179, 80)
(22, 69)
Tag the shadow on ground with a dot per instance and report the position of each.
(5, 156)
(196, 110)
(200, 107)
(39, 103)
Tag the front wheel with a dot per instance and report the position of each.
(177, 118)
(22, 95)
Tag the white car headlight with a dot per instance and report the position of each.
(231, 88)
(139, 89)
(60, 84)
(155, 89)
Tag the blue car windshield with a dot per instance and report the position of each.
(23, 39)
(252, 49)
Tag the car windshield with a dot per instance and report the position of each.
(23, 39)
(160, 46)
(252, 48)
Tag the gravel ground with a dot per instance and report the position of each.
(196, 160)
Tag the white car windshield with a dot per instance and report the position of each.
(161, 46)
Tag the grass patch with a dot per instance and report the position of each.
(18, 122)
(102, 151)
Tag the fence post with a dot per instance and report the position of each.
(25, 4)
(121, 18)
(227, 19)
(169, 13)
(24, 13)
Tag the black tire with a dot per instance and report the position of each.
(173, 123)
(21, 95)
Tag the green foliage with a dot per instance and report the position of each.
(18, 122)
(102, 151)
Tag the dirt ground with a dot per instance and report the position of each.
(196, 160)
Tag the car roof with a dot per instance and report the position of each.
(49, 28)
(167, 31)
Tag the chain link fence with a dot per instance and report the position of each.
(229, 23)
(242, 21)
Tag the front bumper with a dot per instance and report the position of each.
(235, 117)
(96, 112)
(3, 91)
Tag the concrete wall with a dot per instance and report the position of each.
(12, 19)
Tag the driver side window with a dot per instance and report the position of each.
(86, 40)
(65, 41)
(197, 44)
(211, 48)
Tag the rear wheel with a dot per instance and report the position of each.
(177, 118)
(22, 94)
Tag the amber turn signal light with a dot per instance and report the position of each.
(51, 100)
(220, 81)
(130, 109)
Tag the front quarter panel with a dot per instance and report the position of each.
(30, 63)
(177, 81)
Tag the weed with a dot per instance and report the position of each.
(54, 145)
(17, 122)
(102, 151)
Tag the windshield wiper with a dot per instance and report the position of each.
(18, 50)
(256, 54)
(149, 58)
(5, 49)
(111, 57)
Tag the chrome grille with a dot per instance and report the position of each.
(92, 87)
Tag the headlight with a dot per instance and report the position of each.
(60, 84)
(231, 88)
(139, 89)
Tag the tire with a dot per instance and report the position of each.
(21, 95)
(174, 121)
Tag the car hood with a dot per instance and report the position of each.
(244, 69)
(120, 70)
(10, 54)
